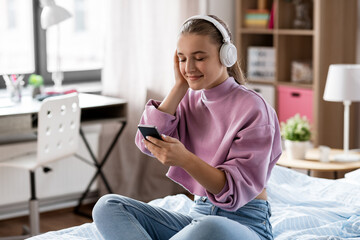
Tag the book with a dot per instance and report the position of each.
(271, 18)
(257, 18)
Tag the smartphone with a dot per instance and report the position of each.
(148, 130)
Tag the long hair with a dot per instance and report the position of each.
(206, 28)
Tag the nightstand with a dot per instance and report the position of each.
(315, 168)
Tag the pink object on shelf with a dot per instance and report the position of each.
(292, 100)
(271, 19)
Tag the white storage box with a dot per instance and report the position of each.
(261, 63)
(266, 91)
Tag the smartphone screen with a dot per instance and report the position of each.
(148, 130)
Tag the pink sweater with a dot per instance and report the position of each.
(231, 128)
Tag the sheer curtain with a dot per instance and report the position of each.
(141, 39)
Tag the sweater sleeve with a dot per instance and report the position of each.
(251, 157)
(165, 123)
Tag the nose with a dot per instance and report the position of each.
(190, 66)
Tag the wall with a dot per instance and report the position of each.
(225, 10)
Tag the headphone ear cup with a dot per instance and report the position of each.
(228, 54)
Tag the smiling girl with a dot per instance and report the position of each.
(220, 140)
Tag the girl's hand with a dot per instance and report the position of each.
(170, 151)
(172, 100)
(179, 79)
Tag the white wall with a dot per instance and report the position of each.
(225, 10)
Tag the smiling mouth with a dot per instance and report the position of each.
(193, 78)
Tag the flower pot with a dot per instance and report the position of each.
(296, 149)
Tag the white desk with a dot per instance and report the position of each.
(19, 119)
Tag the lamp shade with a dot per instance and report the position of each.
(52, 14)
(343, 83)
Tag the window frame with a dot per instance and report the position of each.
(40, 59)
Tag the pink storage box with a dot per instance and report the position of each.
(292, 100)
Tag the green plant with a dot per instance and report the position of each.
(296, 128)
(36, 80)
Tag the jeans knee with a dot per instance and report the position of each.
(103, 207)
(217, 227)
(209, 224)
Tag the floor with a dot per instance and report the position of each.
(49, 221)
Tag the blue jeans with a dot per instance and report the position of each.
(119, 217)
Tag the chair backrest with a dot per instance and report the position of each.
(58, 128)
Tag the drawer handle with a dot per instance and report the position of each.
(295, 94)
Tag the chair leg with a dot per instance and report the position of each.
(34, 214)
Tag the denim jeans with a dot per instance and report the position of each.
(119, 217)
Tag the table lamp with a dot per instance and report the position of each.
(51, 15)
(343, 85)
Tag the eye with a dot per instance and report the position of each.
(199, 59)
(182, 59)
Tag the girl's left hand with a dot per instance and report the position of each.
(170, 151)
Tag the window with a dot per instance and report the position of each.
(17, 37)
(27, 48)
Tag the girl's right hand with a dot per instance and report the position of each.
(179, 79)
(178, 91)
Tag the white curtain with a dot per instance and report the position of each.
(141, 40)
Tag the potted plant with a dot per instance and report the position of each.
(296, 134)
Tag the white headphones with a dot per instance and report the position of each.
(228, 52)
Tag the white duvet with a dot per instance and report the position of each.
(303, 207)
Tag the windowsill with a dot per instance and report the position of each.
(88, 87)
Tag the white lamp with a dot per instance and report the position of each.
(51, 15)
(343, 85)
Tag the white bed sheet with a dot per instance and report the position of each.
(303, 207)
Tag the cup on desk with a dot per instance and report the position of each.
(14, 84)
(324, 153)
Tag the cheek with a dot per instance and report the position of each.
(182, 68)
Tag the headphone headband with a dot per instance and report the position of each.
(228, 52)
(217, 24)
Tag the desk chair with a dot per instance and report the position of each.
(57, 138)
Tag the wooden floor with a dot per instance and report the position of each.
(49, 221)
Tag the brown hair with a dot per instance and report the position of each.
(203, 27)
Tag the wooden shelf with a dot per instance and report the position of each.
(321, 45)
(298, 85)
(257, 31)
(272, 83)
(299, 32)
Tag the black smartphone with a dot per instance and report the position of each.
(148, 130)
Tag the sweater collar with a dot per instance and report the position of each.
(219, 91)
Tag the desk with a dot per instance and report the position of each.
(22, 118)
(312, 163)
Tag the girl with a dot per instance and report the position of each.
(220, 140)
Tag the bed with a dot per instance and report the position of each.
(303, 207)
